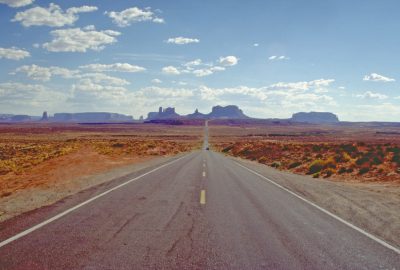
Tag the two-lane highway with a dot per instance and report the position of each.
(202, 211)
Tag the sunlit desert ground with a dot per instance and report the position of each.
(350, 152)
(43, 162)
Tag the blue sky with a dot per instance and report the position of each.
(271, 58)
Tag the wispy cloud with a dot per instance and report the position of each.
(170, 70)
(278, 58)
(182, 40)
(116, 67)
(372, 95)
(16, 3)
(374, 77)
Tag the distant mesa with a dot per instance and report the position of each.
(91, 117)
(315, 117)
(229, 112)
(20, 118)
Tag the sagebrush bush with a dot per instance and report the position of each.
(294, 164)
(363, 170)
(316, 166)
(329, 172)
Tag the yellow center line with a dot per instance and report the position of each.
(203, 197)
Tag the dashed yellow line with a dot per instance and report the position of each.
(203, 197)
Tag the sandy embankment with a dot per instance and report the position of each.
(57, 178)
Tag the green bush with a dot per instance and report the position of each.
(349, 148)
(395, 150)
(362, 160)
(316, 166)
(227, 149)
(396, 158)
(294, 164)
(376, 161)
(276, 164)
(363, 170)
(329, 172)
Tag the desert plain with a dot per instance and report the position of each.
(351, 169)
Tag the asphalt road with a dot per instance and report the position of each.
(202, 211)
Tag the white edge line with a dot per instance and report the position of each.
(58, 216)
(376, 239)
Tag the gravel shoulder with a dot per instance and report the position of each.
(373, 207)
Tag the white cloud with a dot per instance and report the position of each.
(171, 70)
(372, 95)
(52, 16)
(25, 98)
(158, 81)
(278, 58)
(16, 3)
(200, 69)
(182, 40)
(86, 90)
(191, 64)
(228, 60)
(116, 67)
(202, 72)
(101, 78)
(272, 98)
(161, 92)
(377, 78)
(45, 73)
(319, 86)
(256, 45)
(133, 15)
(80, 40)
(13, 53)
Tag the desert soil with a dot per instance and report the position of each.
(63, 176)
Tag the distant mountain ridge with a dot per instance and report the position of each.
(167, 115)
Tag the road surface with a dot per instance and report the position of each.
(199, 211)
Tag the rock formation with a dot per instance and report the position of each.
(45, 117)
(91, 117)
(230, 112)
(167, 113)
(196, 115)
(315, 117)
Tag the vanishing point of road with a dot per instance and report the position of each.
(198, 211)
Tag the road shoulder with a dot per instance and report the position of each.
(372, 207)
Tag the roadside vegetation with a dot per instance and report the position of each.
(28, 152)
(361, 161)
